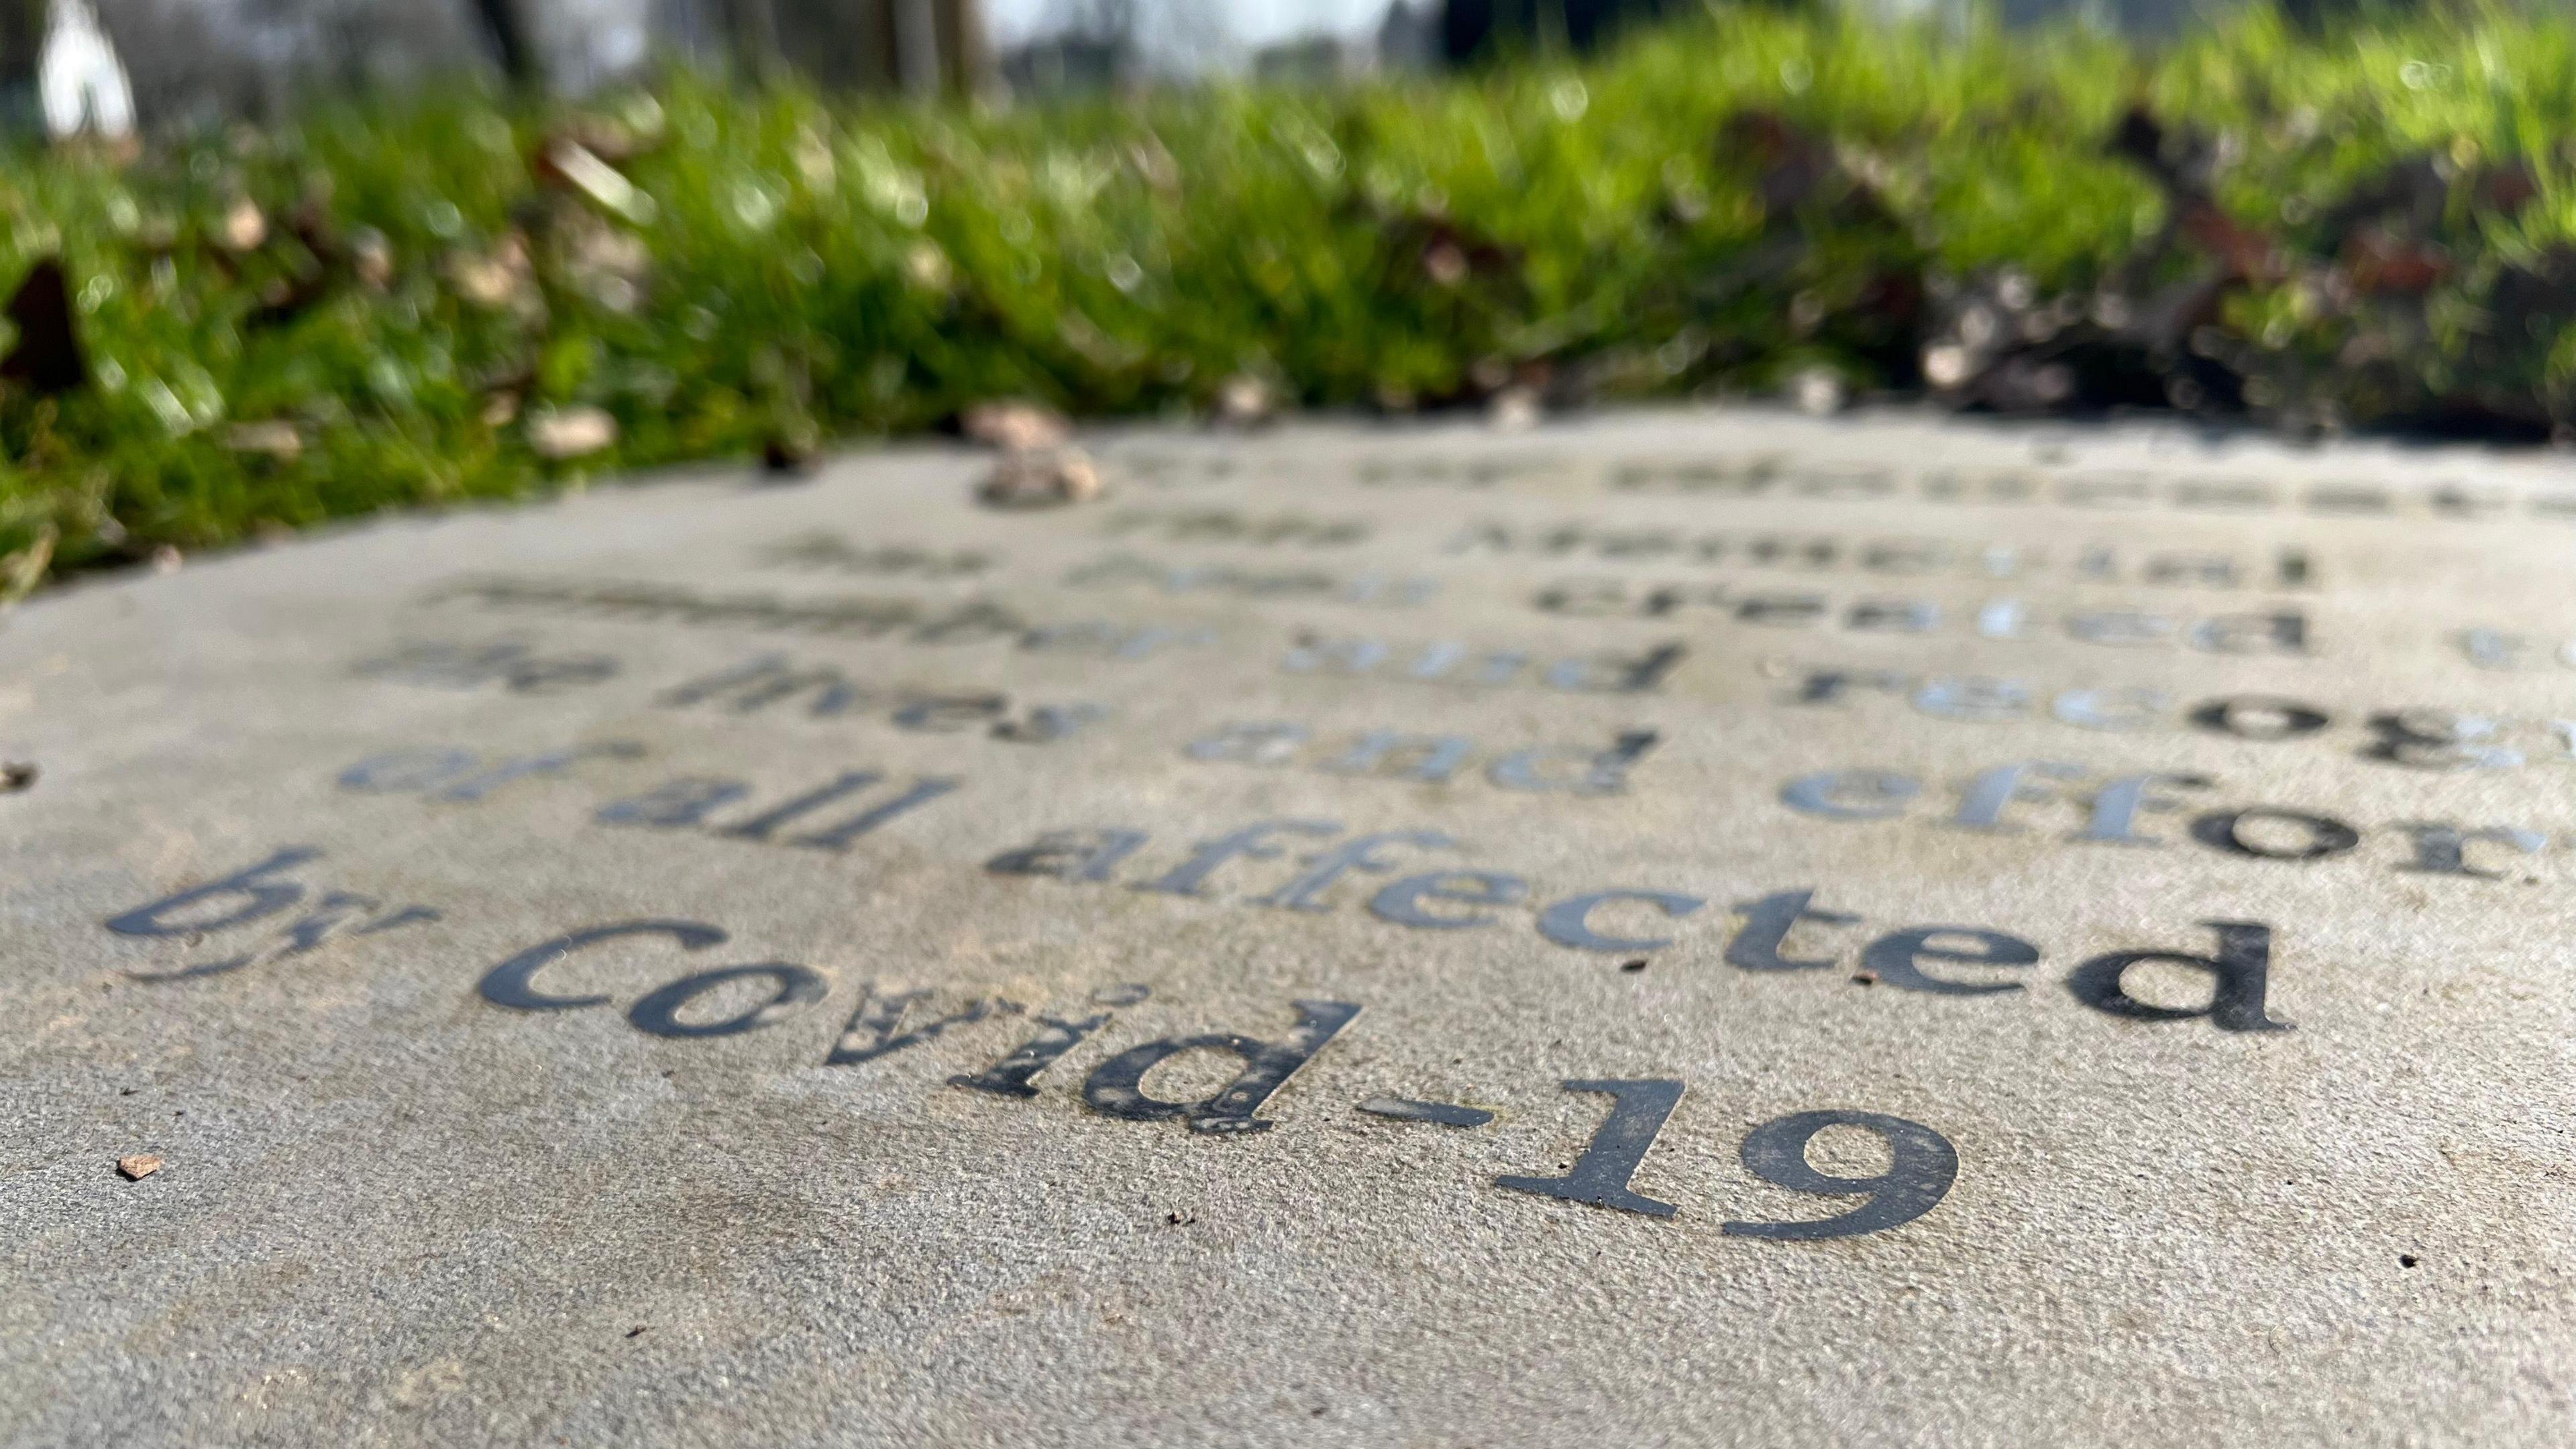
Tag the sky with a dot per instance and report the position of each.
(1253, 22)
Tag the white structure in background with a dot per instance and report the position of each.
(587, 44)
(79, 82)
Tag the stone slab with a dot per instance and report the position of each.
(1367, 935)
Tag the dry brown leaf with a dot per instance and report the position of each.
(576, 166)
(274, 438)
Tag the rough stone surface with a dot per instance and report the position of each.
(411, 1214)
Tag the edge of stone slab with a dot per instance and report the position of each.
(2130, 442)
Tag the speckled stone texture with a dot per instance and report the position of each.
(825, 746)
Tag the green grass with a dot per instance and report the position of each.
(816, 269)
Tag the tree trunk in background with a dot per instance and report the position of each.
(2315, 15)
(918, 47)
(966, 51)
(22, 44)
(513, 43)
(751, 33)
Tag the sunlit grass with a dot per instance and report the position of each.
(809, 269)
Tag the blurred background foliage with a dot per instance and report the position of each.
(2354, 223)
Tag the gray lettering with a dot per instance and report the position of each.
(259, 896)
(1360, 854)
(1116, 1088)
(1601, 1175)
(513, 982)
(2441, 848)
(2116, 806)
(1433, 758)
(793, 989)
(1604, 773)
(1894, 959)
(1982, 805)
(874, 1029)
(1084, 855)
(2239, 973)
(1266, 742)
(1253, 842)
(1403, 902)
(1851, 794)
(1569, 921)
(2111, 709)
(1767, 924)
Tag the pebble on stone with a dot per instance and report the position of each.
(137, 1167)
(1513, 410)
(1818, 392)
(1048, 479)
(1246, 401)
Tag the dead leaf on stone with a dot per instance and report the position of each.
(499, 278)
(927, 267)
(274, 438)
(1016, 426)
(22, 570)
(371, 257)
(1050, 478)
(1445, 263)
(1156, 164)
(244, 227)
(814, 160)
(791, 453)
(596, 249)
(613, 140)
(48, 357)
(561, 434)
(2377, 264)
(138, 1167)
(90, 148)
(568, 163)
